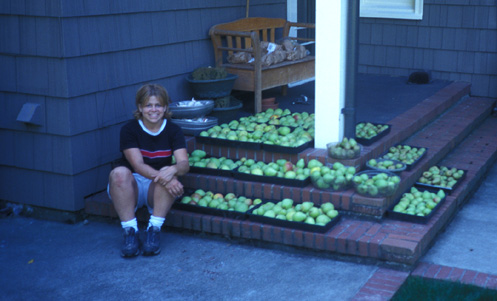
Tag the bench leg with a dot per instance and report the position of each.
(258, 101)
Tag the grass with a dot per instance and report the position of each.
(418, 288)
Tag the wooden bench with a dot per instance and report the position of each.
(245, 35)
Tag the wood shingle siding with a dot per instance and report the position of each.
(81, 62)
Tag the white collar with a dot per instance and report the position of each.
(152, 133)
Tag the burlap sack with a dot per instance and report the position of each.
(294, 50)
(271, 53)
(239, 58)
(274, 57)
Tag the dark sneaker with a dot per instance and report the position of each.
(151, 246)
(131, 244)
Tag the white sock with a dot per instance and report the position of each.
(156, 221)
(131, 223)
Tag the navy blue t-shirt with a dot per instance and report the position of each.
(156, 148)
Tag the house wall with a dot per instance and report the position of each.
(456, 40)
(75, 66)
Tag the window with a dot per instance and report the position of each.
(393, 9)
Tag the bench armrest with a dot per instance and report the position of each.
(290, 25)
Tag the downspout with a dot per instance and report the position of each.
(351, 57)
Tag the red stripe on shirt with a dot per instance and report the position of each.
(156, 154)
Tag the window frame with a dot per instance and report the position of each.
(379, 9)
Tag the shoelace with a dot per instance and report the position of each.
(152, 236)
(130, 238)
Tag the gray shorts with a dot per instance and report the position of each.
(143, 186)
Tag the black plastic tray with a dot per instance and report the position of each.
(286, 149)
(211, 211)
(273, 180)
(291, 224)
(211, 171)
(413, 218)
(230, 143)
(408, 166)
(446, 189)
(398, 170)
(365, 141)
(208, 210)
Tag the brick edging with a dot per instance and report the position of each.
(382, 285)
(454, 274)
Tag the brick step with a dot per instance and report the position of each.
(403, 126)
(386, 239)
(382, 238)
(439, 137)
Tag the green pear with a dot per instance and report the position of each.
(323, 219)
(290, 174)
(223, 206)
(270, 213)
(270, 172)
(332, 213)
(328, 178)
(241, 207)
(199, 153)
(306, 206)
(300, 163)
(310, 220)
(299, 216)
(325, 207)
(321, 183)
(314, 163)
(314, 212)
(286, 203)
(214, 203)
(201, 192)
(289, 215)
(186, 200)
(277, 209)
(372, 190)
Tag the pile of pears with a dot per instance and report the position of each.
(198, 158)
(335, 177)
(420, 203)
(404, 153)
(441, 176)
(348, 148)
(230, 201)
(386, 164)
(282, 168)
(367, 130)
(376, 184)
(305, 212)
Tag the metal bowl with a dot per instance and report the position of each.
(194, 126)
(190, 109)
